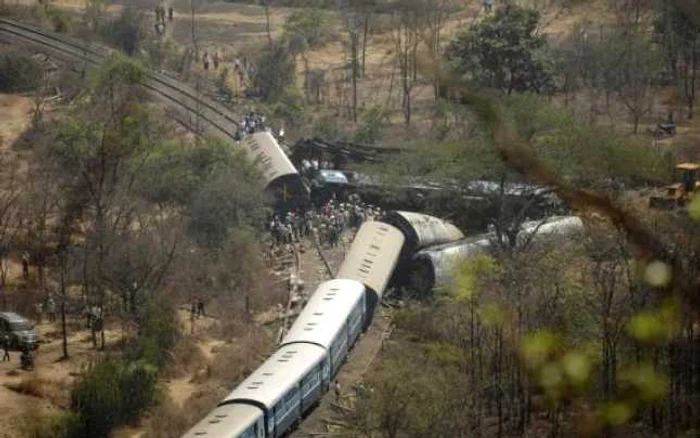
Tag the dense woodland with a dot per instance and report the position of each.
(593, 335)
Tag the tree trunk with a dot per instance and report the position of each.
(365, 32)
(64, 297)
(353, 48)
(267, 21)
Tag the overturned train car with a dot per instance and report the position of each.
(282, 180)
(431, 269)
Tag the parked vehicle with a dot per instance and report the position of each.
(20, 330)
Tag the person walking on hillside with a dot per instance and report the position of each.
(51, 308)
(200, 307)
(216, 60)
(170, 14)
(6, 347)
(336, 389)
(205, 61)
(25, 265)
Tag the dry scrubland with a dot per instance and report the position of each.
(205, 365)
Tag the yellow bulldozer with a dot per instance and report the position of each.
(681, 192)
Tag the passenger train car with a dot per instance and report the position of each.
(272, 400)
(421, 230)
(282, 180)
(431, 268)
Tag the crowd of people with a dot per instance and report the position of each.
(160, 18)
(325, 224)
(310, 167)
(253, 122)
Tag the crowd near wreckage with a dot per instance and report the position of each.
(274, 399)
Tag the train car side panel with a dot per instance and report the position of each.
(264, 149)
(371, 260)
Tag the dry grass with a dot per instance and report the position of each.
(235, 361)
(187, 359)
(169, 420)
(32, 385)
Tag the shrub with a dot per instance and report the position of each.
(19, 72)
(113, 393)
(370, 129)
(157, 335)
(63, 425)
(124, 31)
(275, 72)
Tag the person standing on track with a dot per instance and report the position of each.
(170, 14)
(336, 389)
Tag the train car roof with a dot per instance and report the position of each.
(423, 230)
(264, 149)
(373, 255)
(277, 374)
(326, 312)
(551, 225)
(226, 421)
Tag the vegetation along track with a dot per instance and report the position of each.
(188, 105)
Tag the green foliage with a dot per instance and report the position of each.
(275, 72)
(472, 274)
(112, 393)
(312, 25)
(158, 331)
(370, 128)
(230, 196)
(63, 425)
(19, 72)
(289, 109)
(119, 73)
(504, 52)
(656, 326)
(326, 127)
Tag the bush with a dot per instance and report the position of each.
(275, 72)
(112, 393)
(124, 31)
(370, 130)
(157, 334)
(326, 127)
(19, 72)
(63, 425)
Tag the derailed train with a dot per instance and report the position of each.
(431, 268)
(276, 396)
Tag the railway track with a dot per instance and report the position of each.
(192, 110)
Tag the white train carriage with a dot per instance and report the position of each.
(231, 420)
(422, 230)
(432, 268)
(264, 149)
(286, 386)
(331, 319)
(371, 260)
